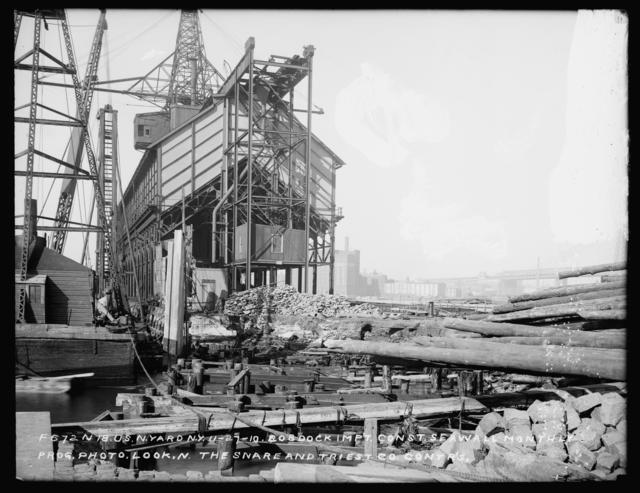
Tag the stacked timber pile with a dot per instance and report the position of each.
(579, 303)
(550, 438)
(563, 347)
(285, 300)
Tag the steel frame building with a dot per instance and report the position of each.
(242, 170)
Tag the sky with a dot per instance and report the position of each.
(475, 141)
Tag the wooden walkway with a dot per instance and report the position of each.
(31, 464)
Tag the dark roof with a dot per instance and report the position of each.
(45, 259)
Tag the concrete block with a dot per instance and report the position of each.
(106, 469)
(613, 408)
(621, 471)
(146, 475)
(587, 402)
(581, 455)
(607, 461)
(552, 429)
(125, 474)
(468, 453)
(450, 444)
(522, 435)
(515, 417)
(162, 476)
(178, 478)
(195, 476)
(589, 433)
(619, 449)
(553, 450)
(622, 426)
(84, 468)
(438, 458)
(491, 422)
(539, 411)
(84, 476)
(612, 437)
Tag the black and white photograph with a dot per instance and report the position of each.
(320, 246)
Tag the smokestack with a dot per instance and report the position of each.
(346, 243)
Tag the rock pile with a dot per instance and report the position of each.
(580, 438)
(285, 300)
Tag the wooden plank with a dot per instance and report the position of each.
(30, 463)
(238, 378)
(371, 437)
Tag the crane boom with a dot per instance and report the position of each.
(75, 147)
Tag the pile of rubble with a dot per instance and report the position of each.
(580, 438)
(285, 300)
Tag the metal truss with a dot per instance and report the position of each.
(263, 179)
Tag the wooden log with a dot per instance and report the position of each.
(557, 300)
(603, 314)
(592, 269)
(386, 378)
(577, 339)
(563, 310)
(597, 363)
(491, 344)
(494, 329)
(613, 278)
(567, 291)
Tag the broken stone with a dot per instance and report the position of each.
(573, 418)
(619, 449)
(581, 455)
(612, 409)
(461, 466)
(607, 461)
(178, 477)
(514, 417)
(589, 433)
(540, 412)
(618, 472)
(622, 426)
(586, 402)
(491, 422)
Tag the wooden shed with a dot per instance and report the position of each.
(68, 286)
